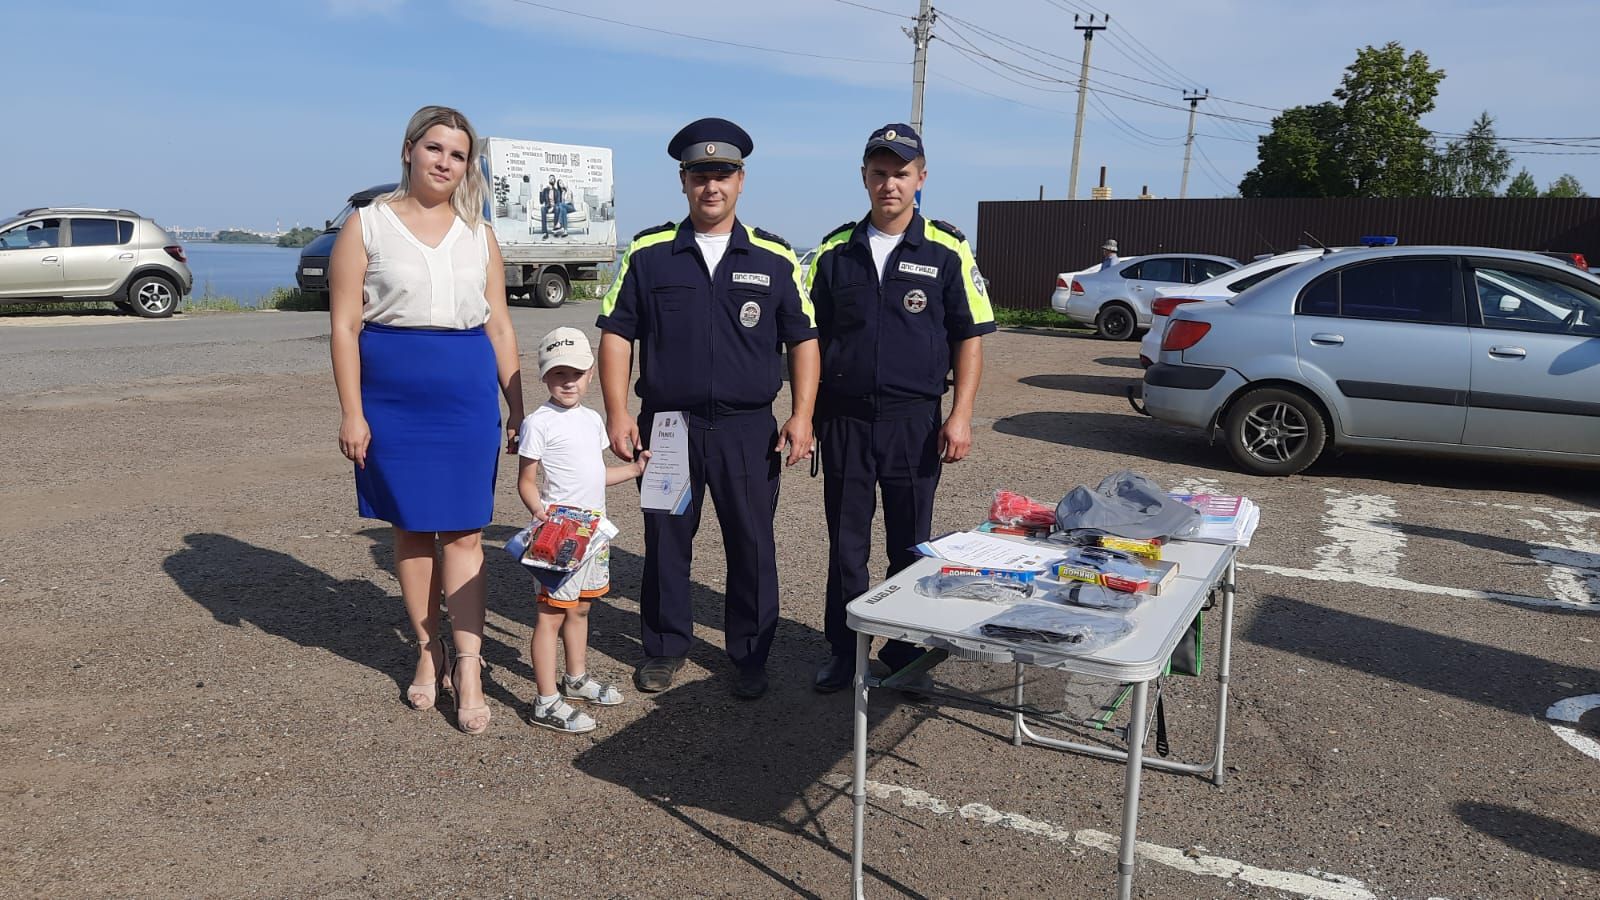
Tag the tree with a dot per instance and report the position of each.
(1565, 187)
(1370, 144)
(1297, 157)
(1473, 166)
(1522, 186)
(1382, 145)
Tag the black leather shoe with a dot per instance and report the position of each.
(750, 684)
(656, 673)
(835, 674)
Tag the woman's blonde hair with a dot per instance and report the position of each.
(468, 199)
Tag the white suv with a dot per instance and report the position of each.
(69, 253)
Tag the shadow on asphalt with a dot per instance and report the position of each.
(1109, 385)
(698, 747)
(1126, 433)
(1477, 673)
(1124, 362)
(1524, 552)
(1533, 834)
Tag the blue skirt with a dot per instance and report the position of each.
(432, 400)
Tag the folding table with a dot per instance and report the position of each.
(894, 609)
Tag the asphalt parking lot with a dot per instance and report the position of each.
(202, 674)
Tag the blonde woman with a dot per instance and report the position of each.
(422, 346)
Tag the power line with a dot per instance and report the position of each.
(876, 9)
(702, 38)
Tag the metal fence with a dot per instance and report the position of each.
(1023, 244)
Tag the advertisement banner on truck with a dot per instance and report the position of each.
(551, 193)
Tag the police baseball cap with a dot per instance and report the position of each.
(564, 347)
(898, 137)
(710, 145)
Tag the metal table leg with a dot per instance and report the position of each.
(1017, 725)
(858, 788)
(1130, 791)
(1219, 772)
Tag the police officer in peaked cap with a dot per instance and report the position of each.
(709, 300)
(899, 305)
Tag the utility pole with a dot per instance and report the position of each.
(1088, 30)
(919, 63)
(1194, 98)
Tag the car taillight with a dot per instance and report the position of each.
(1165, 305)
(1077, 286)
(1061, 282)
(176, 252)
(1579, 261)
(1183, 334)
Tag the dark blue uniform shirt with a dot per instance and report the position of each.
(892, 341)
(708, 345)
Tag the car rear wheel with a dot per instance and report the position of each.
(153, 297)
(552, 290)
(1272, 431)
(1115, 322)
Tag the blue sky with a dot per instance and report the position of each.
(230, 113)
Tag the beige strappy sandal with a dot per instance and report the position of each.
(479, 714)
(422, 697)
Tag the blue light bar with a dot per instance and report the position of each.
(1379, 240)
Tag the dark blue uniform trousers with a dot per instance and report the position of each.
(735, 460)
(898, 456)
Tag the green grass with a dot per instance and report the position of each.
(1035, 318)
(53, 309)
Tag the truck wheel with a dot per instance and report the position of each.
(1115, 322)
(1272, 431)
(552, 291)
(153, 297)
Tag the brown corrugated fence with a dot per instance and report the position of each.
(1023, 244)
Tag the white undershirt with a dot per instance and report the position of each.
(882, 245)
(712, 246)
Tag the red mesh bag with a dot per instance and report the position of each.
(1011, 508)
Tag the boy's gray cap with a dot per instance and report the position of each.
(564, 347)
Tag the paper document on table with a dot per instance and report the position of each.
(975, 548)
(665, 485)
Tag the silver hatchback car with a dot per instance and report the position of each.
(1116, 300)
(1451, 350)
(70, 253)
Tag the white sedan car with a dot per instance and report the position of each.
(1116, 300)
(1219, 288)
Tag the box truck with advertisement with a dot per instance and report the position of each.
(553, 208)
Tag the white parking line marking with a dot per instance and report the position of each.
(1364, 537)
(1570, 711)
(1574, 573)
(1394, 583)
(1320, 885)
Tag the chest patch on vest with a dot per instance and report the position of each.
(915, 301)
(750, 313)
(752, 278)
(914, 269)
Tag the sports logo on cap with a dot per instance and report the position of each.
(916, 301)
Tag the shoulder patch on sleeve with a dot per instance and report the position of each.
(655, 229)
(769, 236)
(947, 228)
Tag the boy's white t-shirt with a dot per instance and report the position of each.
(568, 443)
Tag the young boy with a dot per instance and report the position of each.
(566, 439)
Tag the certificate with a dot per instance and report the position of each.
(665, 485)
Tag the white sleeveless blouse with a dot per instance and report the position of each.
(412, 285)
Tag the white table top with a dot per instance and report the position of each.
(894, 609)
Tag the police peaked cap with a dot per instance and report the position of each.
(710, 145)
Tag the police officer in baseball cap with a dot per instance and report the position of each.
(709, 300)
(899, 304)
